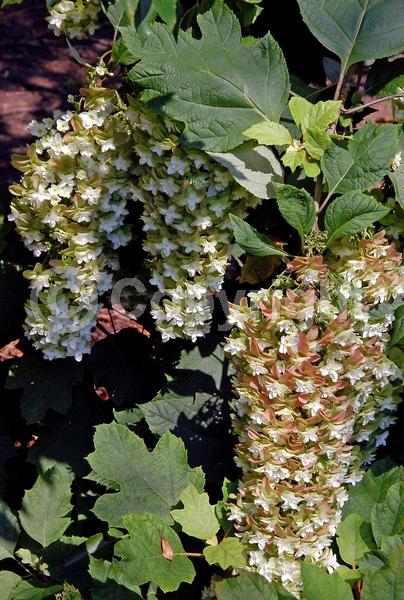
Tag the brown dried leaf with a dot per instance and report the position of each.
(10, 351)
(112, 321)
(166, 549)
(258, 268)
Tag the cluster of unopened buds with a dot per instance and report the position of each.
(315, 398)
(69, 209)
(187, 199)
(74, 18)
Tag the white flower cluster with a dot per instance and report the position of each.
(312, 385)
(69, 208)
(187, 200)
(74, 18)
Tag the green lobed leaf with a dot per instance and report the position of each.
(316, 141)
(385, 78)
(321, 115)
(389, 542)
(142, 559)
(9, 531)
(256, 168)
(318, 584)
(364, 161)
(148, 481)
(47, 384)
(248, 586)
(167, 10)
(13, 587)
(250, 80)
(269, 133)
(372, 489)
(398, 330)
(349, 575)
(356, 30)
(397, 178)
(45, 506)
(251, 241)
(229, 553)
(10, 2)
(386, 583)
(299, 108)
(354, 538)
(197, 517)
(351, 213)
(122, 13)
(387, 517)
(297, 208)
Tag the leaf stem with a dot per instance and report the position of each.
(324, 204)
(349, 111)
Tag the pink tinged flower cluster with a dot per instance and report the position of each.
(314, 399)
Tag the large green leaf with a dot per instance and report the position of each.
(366, 159)
(9, 531)
(385, 78)
(229, 553)
(354, 538)
(398, 329)
(194, 406)
(122, 13)
(47, 384)
(197, 517)
(318, 584)
(251, 241)
(256, 168)
(356, 30)
(386, 583)
(218, 85)
(351, 213)
(13, 587)
(297, 208)
(142, 558)
(269, 133)
(387, 517)
(45, 506)
(372, 489)
(148, 481)
(247, 586)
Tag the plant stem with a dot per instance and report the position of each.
(339, 85)
(349, 111)
(324, 204)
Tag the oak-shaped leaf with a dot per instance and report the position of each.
(386, 583)
(141, 555)
(47, 384)
(251, 586)
(249, 78)
(9, 531)
(373, 489)
(148, 481)
(228, 553)
(256, 168)
(318, 584)
(387, 517)
(197, 517)
(354, 538)
(45, 507)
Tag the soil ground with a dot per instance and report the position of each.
(37, 72)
